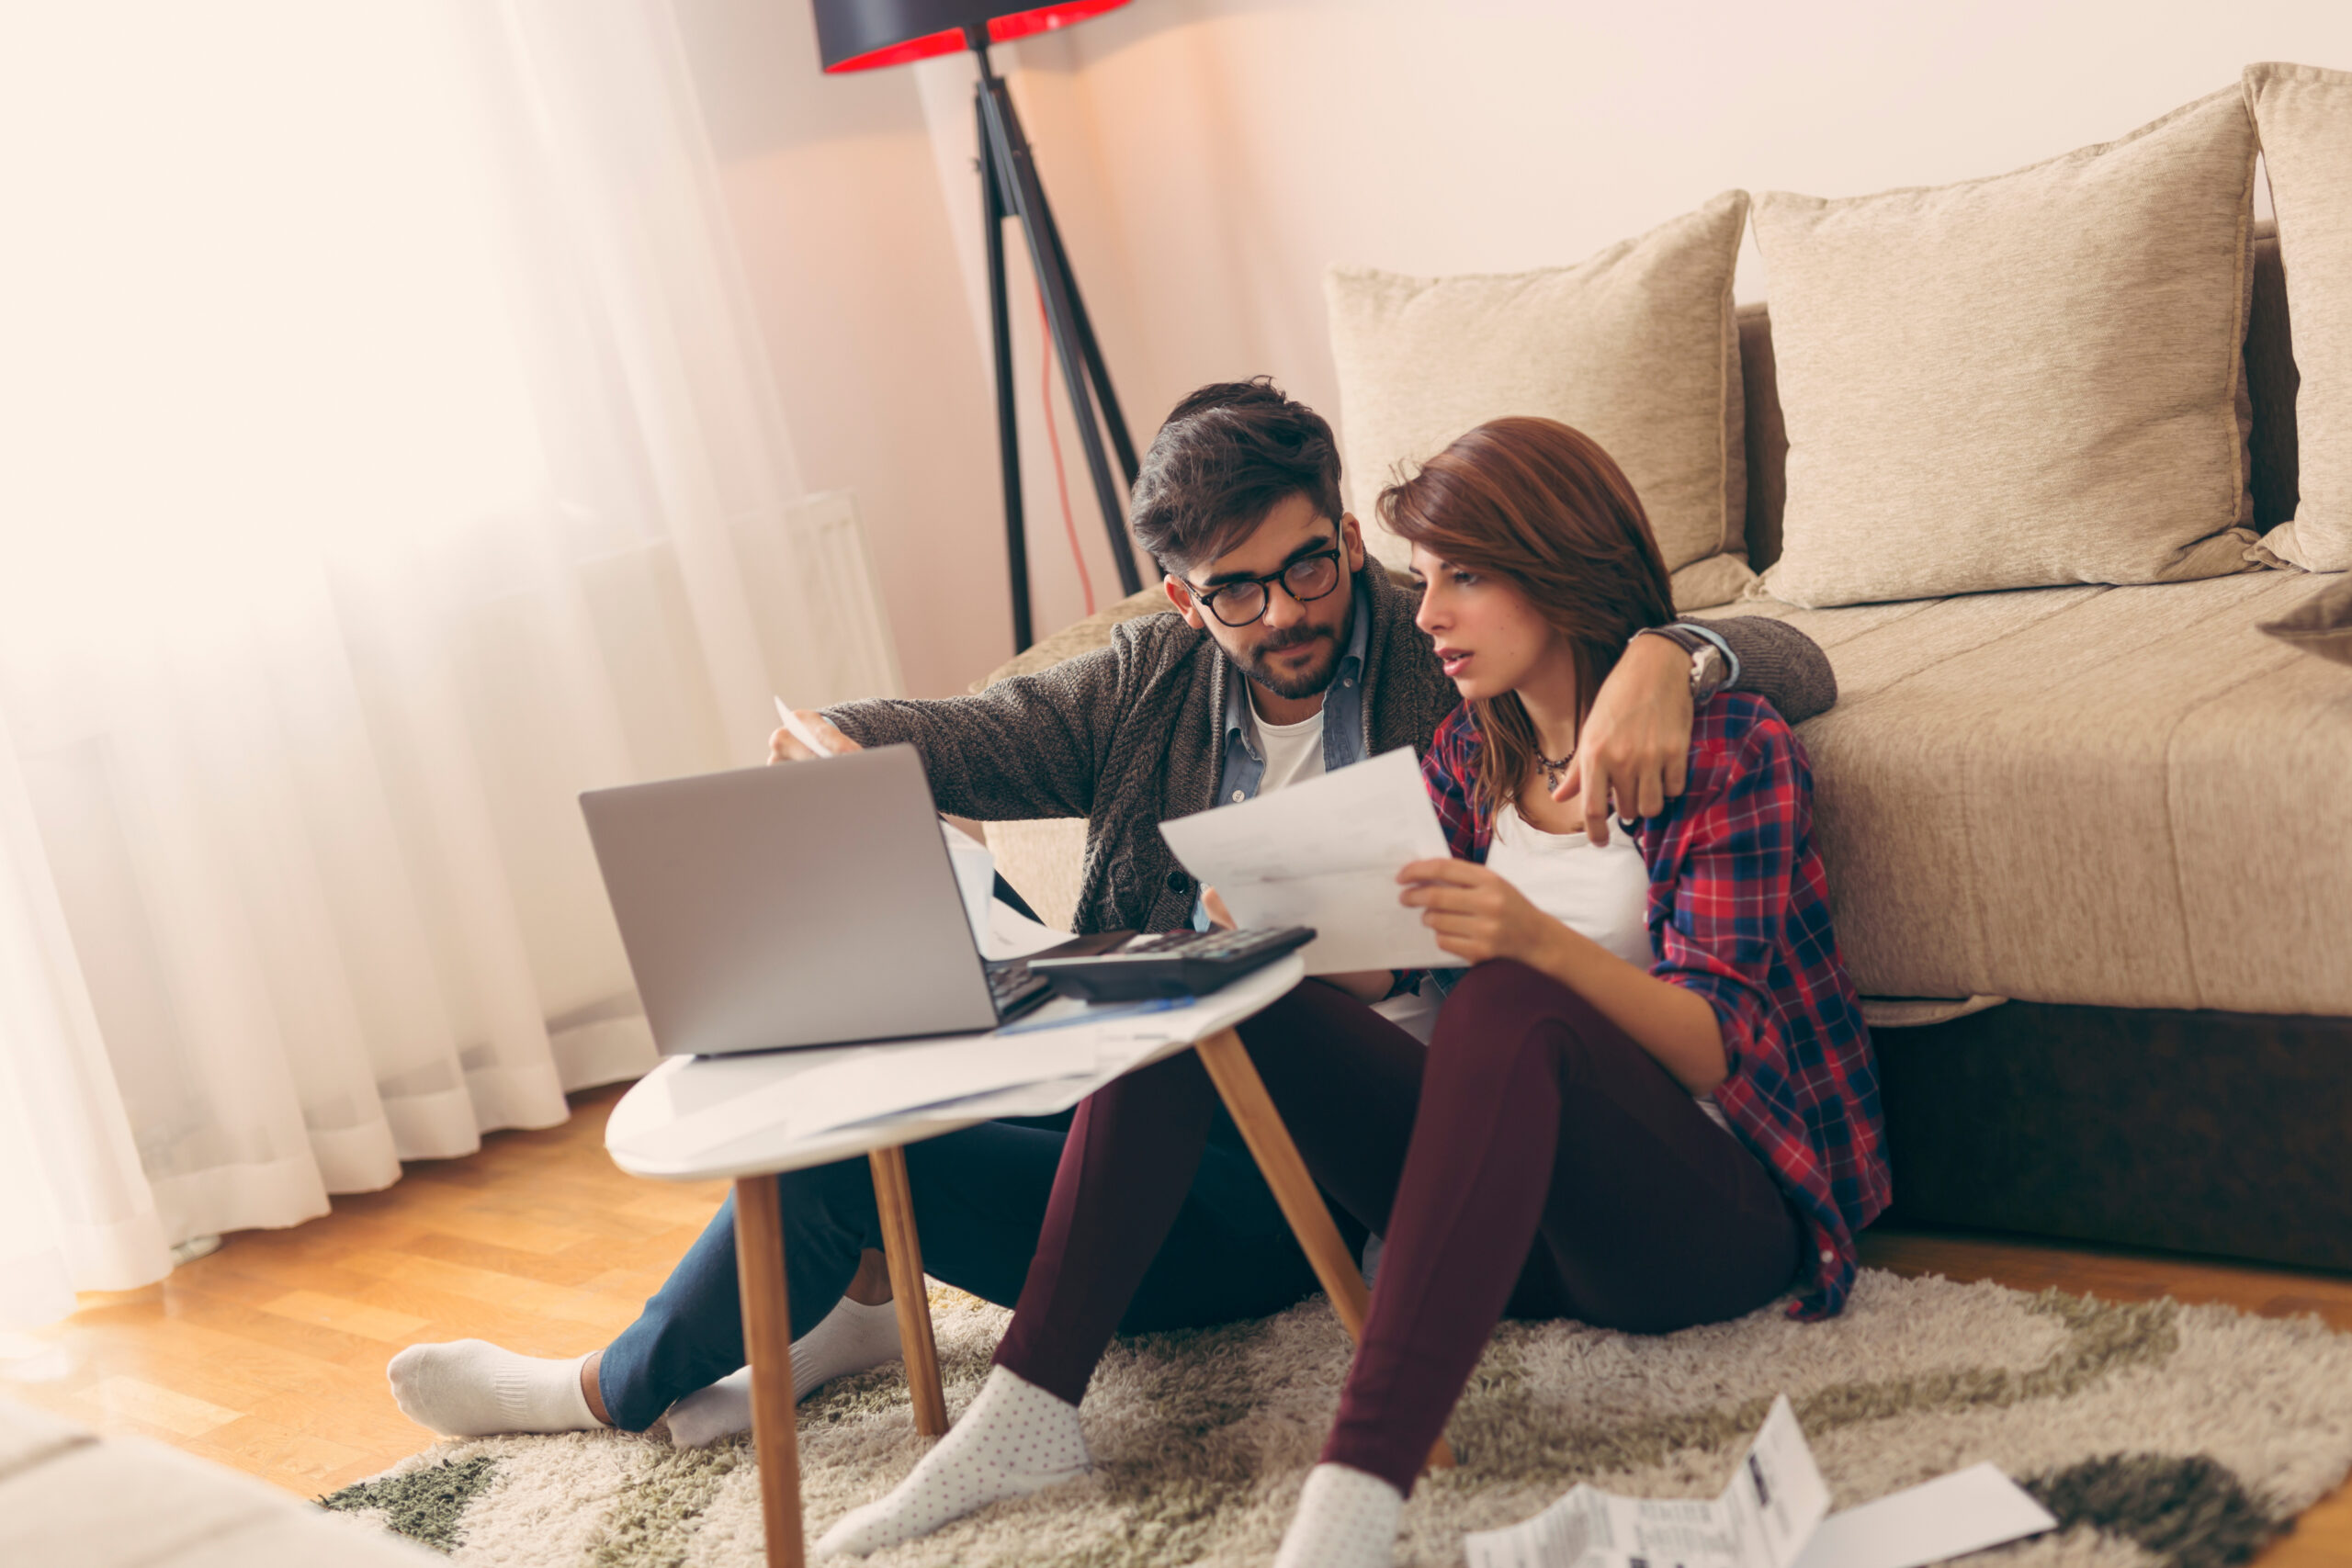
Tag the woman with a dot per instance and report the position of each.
(1648, 1104)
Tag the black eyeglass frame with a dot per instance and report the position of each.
(1208, 597)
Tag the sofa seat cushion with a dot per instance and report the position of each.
(2120, 796)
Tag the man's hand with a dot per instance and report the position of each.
(1475, 914)
(784, 747)
(1219, 916)
(1635, 742)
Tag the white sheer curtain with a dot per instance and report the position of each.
(390, 457)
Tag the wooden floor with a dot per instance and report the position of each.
(268, 1356)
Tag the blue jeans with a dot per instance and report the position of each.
(979, 1199)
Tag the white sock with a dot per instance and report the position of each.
(472, 1389)
(1015, 1439)
(1345, 1520)
(850, 1338)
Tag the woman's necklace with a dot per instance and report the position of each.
(1554, 769)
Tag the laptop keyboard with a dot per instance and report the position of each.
(1014, 987)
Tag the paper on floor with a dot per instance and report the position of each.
(1325, 853)
(1965, 1511)
(1762, 1519)
(1770, 1516)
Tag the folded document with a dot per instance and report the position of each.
(1326, 854)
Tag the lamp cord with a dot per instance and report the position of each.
(1054, 441)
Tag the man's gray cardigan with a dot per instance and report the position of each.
(1130, 734)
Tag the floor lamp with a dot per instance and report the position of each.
(861, 35)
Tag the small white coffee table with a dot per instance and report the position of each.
(695, 1119)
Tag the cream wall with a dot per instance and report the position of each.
(834, 195)
(1208, 158)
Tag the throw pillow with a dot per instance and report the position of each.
(2305, 118)
(1637, 347)
(2018, 381)
(2321, 625)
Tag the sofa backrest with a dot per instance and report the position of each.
(2270, 385)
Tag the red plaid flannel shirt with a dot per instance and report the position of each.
(1739, 913)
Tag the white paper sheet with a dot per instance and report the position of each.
(1770, 1516)
(975, 878)
(1965, 1511)
(1011, 934)
(1325, 853)
(1761, 1520)
(875, 1080)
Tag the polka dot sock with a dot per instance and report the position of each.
(1015, 1439)
(1345, 1520)
(470, 1388)
(850, 1338)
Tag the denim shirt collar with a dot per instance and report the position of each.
(1344, 728)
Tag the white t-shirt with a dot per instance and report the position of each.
(1293, 752)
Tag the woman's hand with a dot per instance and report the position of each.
(1477, 914)
(1219, 916)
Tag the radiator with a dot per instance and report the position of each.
(816, 602)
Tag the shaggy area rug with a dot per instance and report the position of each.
(2155, 1432)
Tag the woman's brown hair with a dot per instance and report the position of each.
(1541, 506)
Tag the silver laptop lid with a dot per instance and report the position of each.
(800, 903)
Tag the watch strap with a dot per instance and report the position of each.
(1709, 671)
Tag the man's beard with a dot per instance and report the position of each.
(1307, 682)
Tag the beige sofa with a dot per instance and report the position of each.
(2121, 809)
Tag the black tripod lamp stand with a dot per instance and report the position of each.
(860, 34)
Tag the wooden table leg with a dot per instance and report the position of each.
(1253, 1109)
(894, 1197)
(767, 1347)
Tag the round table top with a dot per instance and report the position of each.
(705, 1118)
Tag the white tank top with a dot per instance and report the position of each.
(1599, 891)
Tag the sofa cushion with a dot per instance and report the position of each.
(2271, 380)
(2123, 796)
(2321, 624)
(2305, 117)
(2030, 380)
(1636, 346)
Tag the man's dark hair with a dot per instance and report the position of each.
(1228, 456)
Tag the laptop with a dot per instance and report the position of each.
(803, 904)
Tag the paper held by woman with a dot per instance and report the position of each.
(1324, 853)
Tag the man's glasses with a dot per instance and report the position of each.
(1241, 603)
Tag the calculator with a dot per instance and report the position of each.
(1122, 966)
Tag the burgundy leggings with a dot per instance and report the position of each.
(1532, 1161)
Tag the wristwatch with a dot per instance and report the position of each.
(1708, 670)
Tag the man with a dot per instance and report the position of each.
(1287, 656)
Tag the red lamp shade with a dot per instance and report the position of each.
(862, 35)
